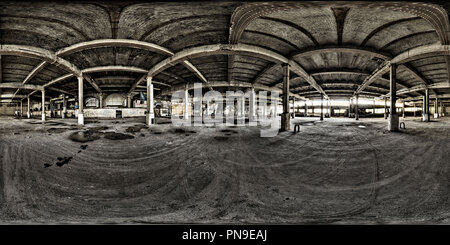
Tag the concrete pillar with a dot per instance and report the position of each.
(186, 104)
(426, 106)
(321, 107)
(403, 109)
(442, 109)
(285, 116)
(21, 108)
(129, 100)
(373, 108)
(64, 109)
(150, 117)
(43, 105)
(385, 108)
(28, 107)
(306, 109)
(350, 107)
(100, 100)
(393, 116)
(293, 107)
(252, 105)
(436, 108)
(80, 101)
(356, 108)
(312, 107)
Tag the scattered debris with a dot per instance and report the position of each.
(117, 136)
(63, 160)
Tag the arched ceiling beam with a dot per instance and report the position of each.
(340, 49)
(21, 86)
(102, 43)
(99, 69)
(114, 68)
(405, 57)
(227, 49)
(340, 72)
(42, 54)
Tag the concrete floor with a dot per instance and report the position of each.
(336, 171)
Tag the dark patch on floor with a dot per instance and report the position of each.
(180, 131)
(63, 160)
(56, 130)
(84, 136)
(228, 131)
(221, 138)
(117, 136)
(46, 165)
(83, 147)
(135, 128)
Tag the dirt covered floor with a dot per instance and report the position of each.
(119, 171)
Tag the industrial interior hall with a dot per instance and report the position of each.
(87, 108)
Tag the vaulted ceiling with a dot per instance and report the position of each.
(336, 47)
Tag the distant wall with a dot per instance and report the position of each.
(7, 109)
(111, 113)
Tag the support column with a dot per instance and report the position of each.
(312, 107)
(129, 100)
(403, 109)
(28, 107)
(436, 108)
(442, 109)
(306, 109)
(64, 109)
(350, 107)
(100, 100)
(43, 105)
(393, 116)
(150, 117)
(329, 108)
(293, 108)
(21, 108)
(252, 105)
(285, 116)
(426, 106)
(385, 108)
(80, 101)
(373, 108)
(186, 104)
(356, 108)
(321, 107)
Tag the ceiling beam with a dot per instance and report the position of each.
(101, 43)
(340, 49)
(21, 85)
(39, 53)
(407, 56)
